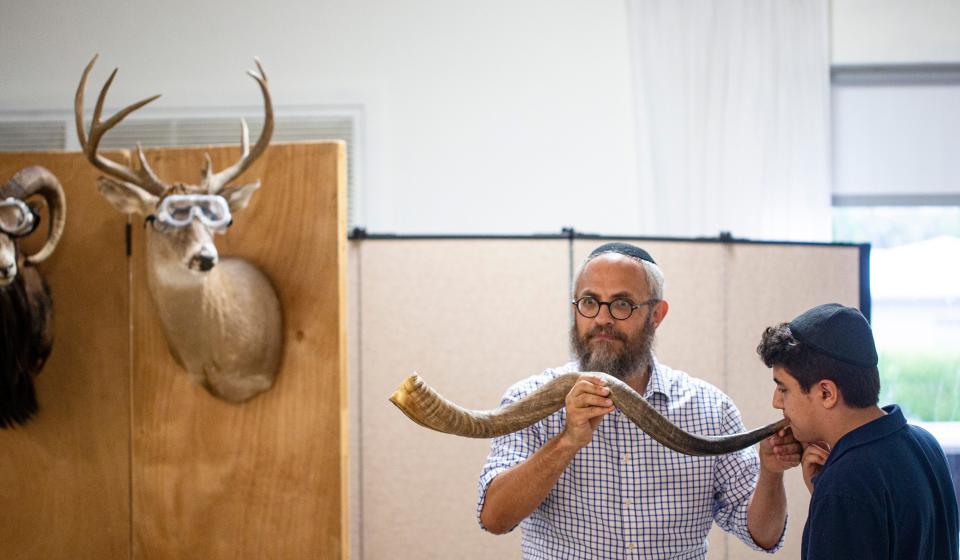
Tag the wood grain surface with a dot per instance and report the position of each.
(64, 477)
(268, 478)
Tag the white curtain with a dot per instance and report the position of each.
(733, 101)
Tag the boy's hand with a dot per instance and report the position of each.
(814, 457)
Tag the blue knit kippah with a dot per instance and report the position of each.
(839, 332)
(623, 249)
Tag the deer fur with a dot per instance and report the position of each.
(223, 326)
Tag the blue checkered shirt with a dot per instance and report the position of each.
(626, 496)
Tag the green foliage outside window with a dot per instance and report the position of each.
(919, 360)
(925, 383)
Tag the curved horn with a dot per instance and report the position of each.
(37, 180)
(428, 408)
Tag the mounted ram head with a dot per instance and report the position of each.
(26, 329)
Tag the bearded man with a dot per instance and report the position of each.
(585, 482)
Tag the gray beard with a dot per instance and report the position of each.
(635, 356)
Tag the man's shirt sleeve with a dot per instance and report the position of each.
(735, 479)
(508, 450)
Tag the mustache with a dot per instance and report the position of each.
(607, 331)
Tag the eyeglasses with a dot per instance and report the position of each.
(179, 210)
(17, 219)
(620, 308)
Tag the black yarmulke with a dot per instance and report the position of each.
(623, 249)
(839, 332)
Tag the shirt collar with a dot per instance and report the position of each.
(659, 380)
(872, 431)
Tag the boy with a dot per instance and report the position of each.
(881, 487)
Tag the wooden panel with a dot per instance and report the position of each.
(266, 479)
(472, 317)
(770, 284)
(64, 490)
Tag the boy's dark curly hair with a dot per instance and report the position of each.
(860, 386)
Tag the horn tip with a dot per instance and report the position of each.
(403, 396)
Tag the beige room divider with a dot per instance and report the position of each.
(131, 460)
(722, 296)
(473, 316)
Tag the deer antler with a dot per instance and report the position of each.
(215, 182)
(144, 177)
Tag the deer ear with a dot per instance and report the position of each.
(239, 197)
(127, 197)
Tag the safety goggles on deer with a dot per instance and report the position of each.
(179, 210)
(17, 219)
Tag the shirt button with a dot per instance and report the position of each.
(628, 502)
(625, 458)
(631, 546)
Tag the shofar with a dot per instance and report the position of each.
(428, 408)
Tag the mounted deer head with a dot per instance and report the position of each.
(26, 331)
(18, 219)
(142, 192)
(222, 322)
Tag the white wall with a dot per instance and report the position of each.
(480, 117)
(895, 134)
(896, 31)
(896, 139)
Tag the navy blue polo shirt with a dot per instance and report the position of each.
(885, 492)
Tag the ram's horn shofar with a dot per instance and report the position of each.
(428, 408)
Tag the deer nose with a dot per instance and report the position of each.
(206, 262)
(8, 271)
(203, 261)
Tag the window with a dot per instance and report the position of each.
(915, 287)
(896, 185)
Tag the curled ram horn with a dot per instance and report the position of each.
(36, 180)
(428, 408)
